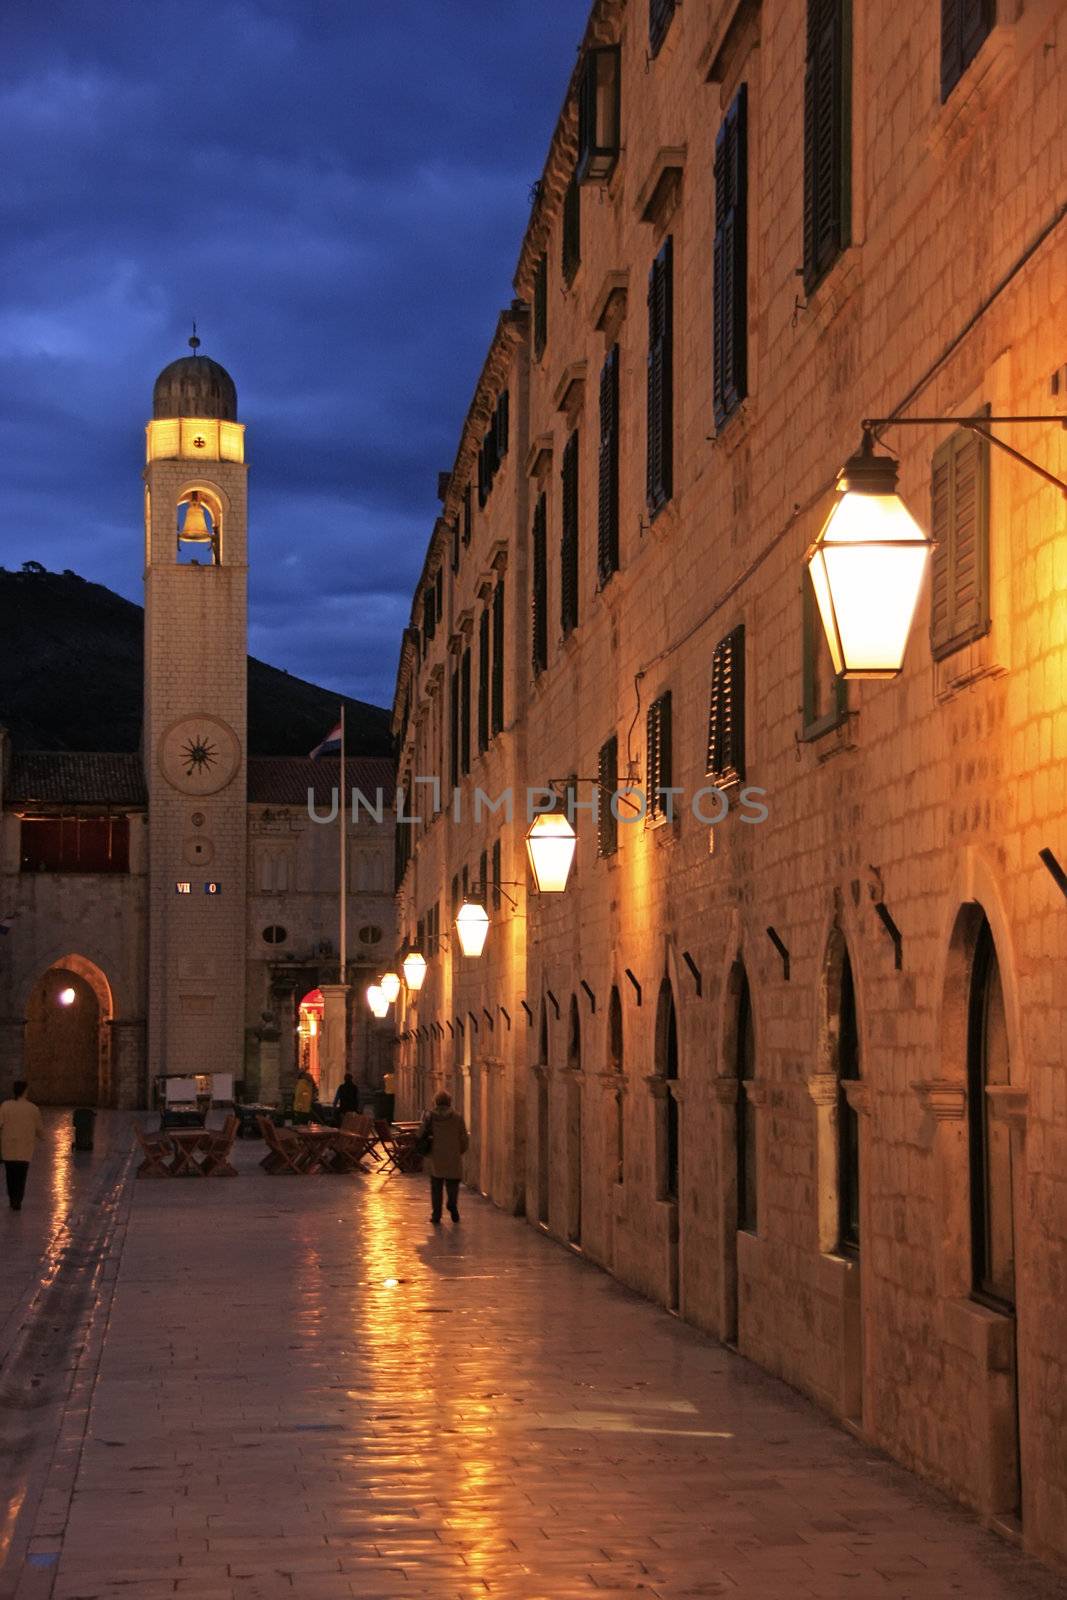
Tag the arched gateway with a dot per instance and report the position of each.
(67, 1050)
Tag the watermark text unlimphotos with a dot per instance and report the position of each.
(628, 803)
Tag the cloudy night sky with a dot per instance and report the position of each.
(337, 193)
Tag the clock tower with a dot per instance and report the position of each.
(195, 692)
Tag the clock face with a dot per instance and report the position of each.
(199, 755)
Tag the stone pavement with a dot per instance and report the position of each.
(306, 1391)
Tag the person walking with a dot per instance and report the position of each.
(449, 1140)
(20, 1129)
(304, 1093)
(347, 1097)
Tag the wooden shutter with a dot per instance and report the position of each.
(660, 378)
(726, 717)
(572, 229)
(569, 540)
(539, 618)
(497, 717)
(455, 545)
(540, 307)
(660, 13)
(483, 680)
(965, 24)
(730, 277)
(608, 504)
(496, 875)
(453, 728)
(468, 515)
(465, 711)
(659, 754)
(429, 614)
(501, 422)
(607, 782)
(959, 515)
(827, 115)
(483, 877)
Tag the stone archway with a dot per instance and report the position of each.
(67, 1053)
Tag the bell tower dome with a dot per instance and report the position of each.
(195, 675)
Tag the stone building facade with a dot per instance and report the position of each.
(792, 1062)
(167, 913)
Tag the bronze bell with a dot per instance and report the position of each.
(195, 528)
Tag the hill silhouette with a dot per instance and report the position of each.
(71, 664)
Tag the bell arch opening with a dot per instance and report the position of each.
(67, 1055)
(199, 528)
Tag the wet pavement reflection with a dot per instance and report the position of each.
(306, 1390)
(61, 1181)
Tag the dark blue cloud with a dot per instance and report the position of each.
(336, 190)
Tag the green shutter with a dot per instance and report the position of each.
(659, 754)
(827, 136)
(726, 715)
(607, 783)
(608, 502)
(539, 618)
(730, 261)
(959, 516)
(660, 407)
(569, 539)
(497, 716)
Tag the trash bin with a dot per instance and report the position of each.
(84, 1123)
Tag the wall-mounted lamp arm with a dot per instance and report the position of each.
(979, 425)
(561, 785)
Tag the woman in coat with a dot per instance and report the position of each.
(445, 1160)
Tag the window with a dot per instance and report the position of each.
(483, 680)
(616, 1064)
(730, 270)
(959, 514)
(607, 826)
(660, 379)
(659, 758)
(827, 136)
(429, 615)
(540, 307)
(539, 619)
(964, 26)
(439, 591)
(598, 114)
(988, 1065)
(465, 712)
(75, 844)
(726, 717)
(275, 934)
(745, 1140)
(572, 229)
(483, 877)
(468, 514)
(502, 424)
(433, 930)
(496, 875)
(455, 900)
(607, 555)
(369, 934)
(568, 566)
(848, 1133)
(494, 448)
(455, 545)
(496, 721)
(825, 696)
(660, 13)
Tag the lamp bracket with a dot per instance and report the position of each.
(980, 425)
(561, 785)
(479, 891)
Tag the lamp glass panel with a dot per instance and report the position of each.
(414, 970)
(867, 573)
(550, 845)
(390, 986)
(472, 926)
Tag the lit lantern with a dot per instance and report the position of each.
(66, 997)
(376, 1000)
(390, 986)
(414, 966)
(550, 845)
(867, 568)
(472, 925)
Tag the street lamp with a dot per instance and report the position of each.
(550, 845)
(472, 926)
(390, 986)
(867, 568)
(376, 1000)
(868, 563)
(414, 965)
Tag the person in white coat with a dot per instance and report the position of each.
(20, 1129)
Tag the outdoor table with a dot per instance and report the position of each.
(190, 1146)
(324, 1150)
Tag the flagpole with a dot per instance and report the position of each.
(342, 812)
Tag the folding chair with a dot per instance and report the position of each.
(350, 1146)
(283, 1152)
(216, 1160)
(386, 1141)
(155, 1148)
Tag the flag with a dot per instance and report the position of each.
(330, 746)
